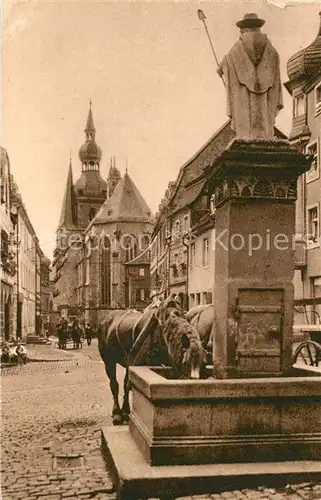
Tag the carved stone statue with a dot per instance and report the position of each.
(252, 80)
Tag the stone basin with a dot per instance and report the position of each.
(184, 422)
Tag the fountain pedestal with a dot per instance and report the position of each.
(254, 193)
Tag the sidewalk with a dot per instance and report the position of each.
(50, 352)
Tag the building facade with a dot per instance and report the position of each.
(113, 269)
(27, 278)
(81, 202)
(304, 85)
(183, 241)
(8, 252)
(45, 292)
(103, 226)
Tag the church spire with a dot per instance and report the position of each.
(68, 216)
(90, 153)
(90, 127)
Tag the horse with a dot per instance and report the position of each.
(122, 339)
(63, 335)
(202, 318)
(76, 332)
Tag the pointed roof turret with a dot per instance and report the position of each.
(90, 153)
(114, 173)
(125, 205)
(90, 127)
(68, 216)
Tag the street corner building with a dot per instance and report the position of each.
(304, 85)
(25, 300)
(8, 261)
(101, 260)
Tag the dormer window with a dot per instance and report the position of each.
(317, 94)
(299, 105)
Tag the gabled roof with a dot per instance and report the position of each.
(190, 180)
(125, 205)
(68, 217)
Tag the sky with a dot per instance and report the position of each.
(151, 76)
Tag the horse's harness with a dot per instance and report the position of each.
(134, 332)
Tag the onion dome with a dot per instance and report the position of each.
(90, 153)
(306, 62)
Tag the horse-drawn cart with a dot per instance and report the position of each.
(308, 351)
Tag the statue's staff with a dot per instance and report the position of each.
(202, 17)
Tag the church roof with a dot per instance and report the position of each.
(68, 218)
(92, 184)
(307, 62)
(125, 205)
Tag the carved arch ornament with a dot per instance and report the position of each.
(256, 188)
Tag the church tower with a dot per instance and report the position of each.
(114, 177)
(91, 189)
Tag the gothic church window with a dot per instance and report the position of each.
(105, 272)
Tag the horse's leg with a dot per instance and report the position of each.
(126, 408)
(110, 368)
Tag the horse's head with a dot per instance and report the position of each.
(181, 338)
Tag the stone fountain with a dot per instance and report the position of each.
(255, 420)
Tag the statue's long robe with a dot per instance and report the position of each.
(253, 85)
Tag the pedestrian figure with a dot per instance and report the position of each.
(21, 354)
(5, 352)
(76, 334)
(88, 333)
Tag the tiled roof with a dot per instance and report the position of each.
(190, 180)
(186, 192)
(125, 205)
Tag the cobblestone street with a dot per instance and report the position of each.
(52, 413)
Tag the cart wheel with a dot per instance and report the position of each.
(309, 352)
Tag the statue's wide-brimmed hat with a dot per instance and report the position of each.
(250, 21)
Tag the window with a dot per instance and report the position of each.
(204, 298)
(209, 298)
(192, 255)
(4, 247)
(313, 173)
(205, 253)
(316, 287)
(185, 224)
(105, 272)
(212, 204)
(192, 299)
(299, 105)
(92, 213)
(87, 279)
(313, 229)
(142, 272)
(317, 93)
(177, 230)
(140, 295)
(198, 299)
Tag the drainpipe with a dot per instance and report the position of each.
(185, 241)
